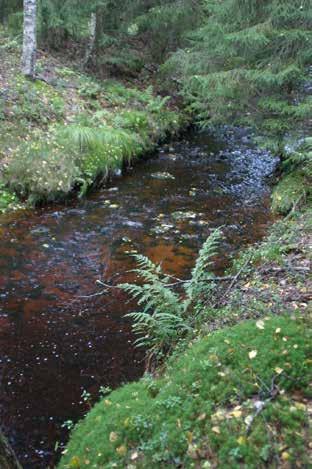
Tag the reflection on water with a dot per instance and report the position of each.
(54, 343)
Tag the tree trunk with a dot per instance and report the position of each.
(29, 38)
(91, 44)
(8, 459)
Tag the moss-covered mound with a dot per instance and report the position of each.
(235, 398)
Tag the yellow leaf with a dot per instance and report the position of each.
(279, 370)
(202, 417)
(74, 462)
(300, 406)
(252, 354)
(236, 413)
(216, 430)
(189, 436)
(285, 456)
(121, 450)
(241, 440)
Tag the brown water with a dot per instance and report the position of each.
(55, 344)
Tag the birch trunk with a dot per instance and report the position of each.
(29, 38)
(91, 41)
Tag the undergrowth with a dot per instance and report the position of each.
(166, 314)
(71, 141)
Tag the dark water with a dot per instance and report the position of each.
(55, 344)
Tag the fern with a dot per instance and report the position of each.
(201, 275)
(164, 316)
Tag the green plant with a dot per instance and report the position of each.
(246, 64)
(42, 169)
(204, 406)
(36, 102)
(165, 316)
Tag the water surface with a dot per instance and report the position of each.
(54, 342)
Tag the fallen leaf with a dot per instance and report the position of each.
(248, 419)
(236, 413)
(252, 354)
(216, 430)
(279, 370)
(113, 436)
(121, 450)
(278, 330)
(260, 324)
(285, 456)
(241, 440)
(134, 456)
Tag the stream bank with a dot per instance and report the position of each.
(61, 341)
(66, 133)
(236, 391)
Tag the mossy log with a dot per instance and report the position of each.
(8, 459)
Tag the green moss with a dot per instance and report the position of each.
(8, 200)
(76, 156)
(190, 415)
(289, 191)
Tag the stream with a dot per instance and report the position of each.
(57, 341)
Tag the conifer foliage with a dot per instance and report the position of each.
(247, 63)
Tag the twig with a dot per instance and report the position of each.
(261, 405)
(212, 279)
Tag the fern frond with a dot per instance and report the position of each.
(195, 287)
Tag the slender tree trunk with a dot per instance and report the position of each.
(8, 459)
(91, 44)
(29, 38)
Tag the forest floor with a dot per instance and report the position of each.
(73, 129)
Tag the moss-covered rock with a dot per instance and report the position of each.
(288, 192)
